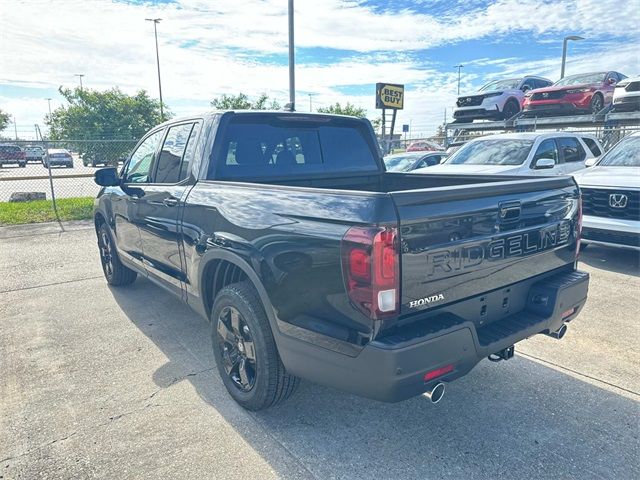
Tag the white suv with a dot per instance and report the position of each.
(611, 197)
(500, 99)
(626, 96)
(530, 153)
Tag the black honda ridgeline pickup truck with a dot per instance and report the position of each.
(311, 261)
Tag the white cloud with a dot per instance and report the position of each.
(231, 47)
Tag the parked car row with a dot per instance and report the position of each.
(610, 183)
(14, 155)
(586, 93)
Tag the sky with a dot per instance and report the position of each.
(343, 47)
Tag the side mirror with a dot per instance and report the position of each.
(107, 177)
(590, 162)
(526, 88)
(612, 81)
(544, 163)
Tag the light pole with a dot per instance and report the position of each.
(15, 127)
(156, 21)
(459, 67)
(79, 75)
(564, 51)
(49, 101)
(292, 62)
(310, 101)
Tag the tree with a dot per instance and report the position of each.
(4, 120)
(103, 125)
(348, 109)
(242, 102)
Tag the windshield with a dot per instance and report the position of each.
(501, 85)
(625, 154)
(399, 163)
(581, 79)
(492, 152)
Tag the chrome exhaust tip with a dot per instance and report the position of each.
(558, 334)
(436, 393)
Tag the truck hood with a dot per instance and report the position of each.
(448, 169)
(627, 177)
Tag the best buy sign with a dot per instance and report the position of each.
(389, 95)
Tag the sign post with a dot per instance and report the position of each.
(389, 96)
(405, 129)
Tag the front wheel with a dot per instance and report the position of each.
(114, 271)
(510, 109)
(597, 103)
(245, 351)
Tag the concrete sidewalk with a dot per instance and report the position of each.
(121, 383)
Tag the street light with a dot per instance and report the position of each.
(79, 75)
(156, 21)
(310, 101)
(564, 50)
(292, 62)
(49, 101)
(459, 67)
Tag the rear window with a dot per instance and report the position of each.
(58, 155)
(593, 146)
(9, 149)
(283, 146)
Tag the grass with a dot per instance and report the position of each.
(14, 213)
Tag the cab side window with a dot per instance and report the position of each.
(593, 146)
(170, 160)
(571, 150)
(547, 149)
(139, 166)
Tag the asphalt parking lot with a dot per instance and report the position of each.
(120, 383)
(64, 187)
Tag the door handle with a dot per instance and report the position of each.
(170, 201)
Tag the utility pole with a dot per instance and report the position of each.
(564, 51)
(49, 101)
(292, 62)
(459, 67)
(79, 75)
(310, 102)
(15, 127)
(156, 21)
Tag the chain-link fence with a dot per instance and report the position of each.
(53, 180)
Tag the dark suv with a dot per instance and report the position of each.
(12, 155)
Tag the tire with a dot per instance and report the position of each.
(597, 103)
(114, 271)
(510, 109)
(22, 165)
(238, 317)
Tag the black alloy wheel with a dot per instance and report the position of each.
(237, 348)
(106, 253)
(510, 109)
(597, 103)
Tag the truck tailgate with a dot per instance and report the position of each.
(461, 241)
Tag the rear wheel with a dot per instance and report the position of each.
(245, 351)
(114, 271)
(597, 103)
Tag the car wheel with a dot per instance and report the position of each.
(114, 271)
(245, 351)
(510, 109)
(597, 103)
(22, 165)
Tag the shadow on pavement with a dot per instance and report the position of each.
(517, 419)
(618, 260)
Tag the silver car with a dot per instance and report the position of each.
(499, 99)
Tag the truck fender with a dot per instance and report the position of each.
(219, 254)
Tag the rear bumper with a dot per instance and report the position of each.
(391, 369)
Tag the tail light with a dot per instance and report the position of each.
(579, 226)
(370, 264)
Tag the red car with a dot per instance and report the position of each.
(12, 154)
(583, 93)
(424, 146)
